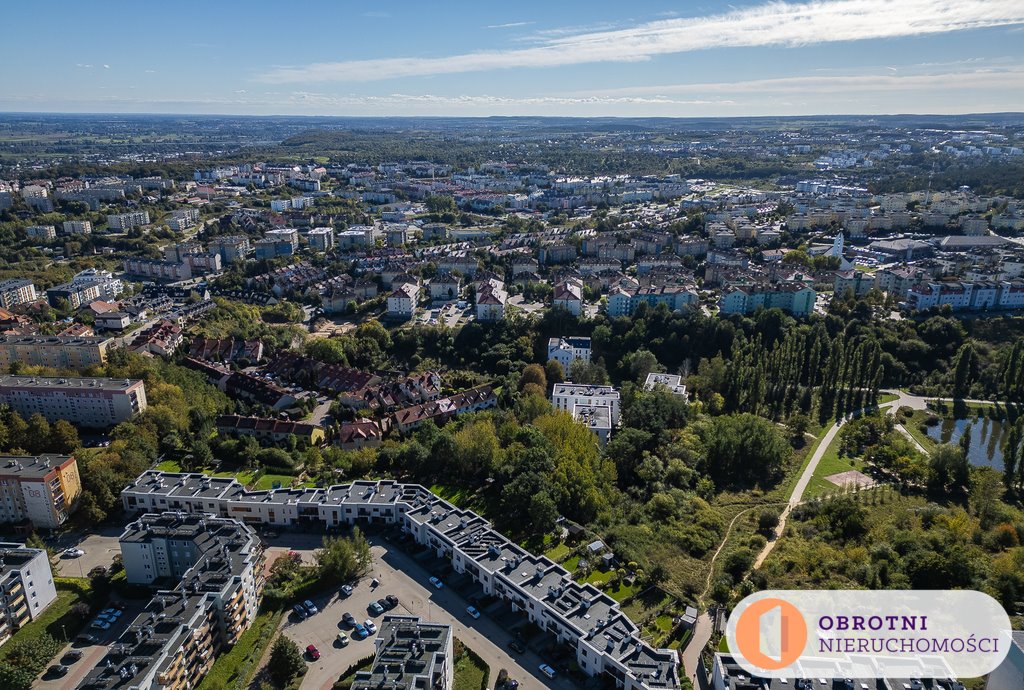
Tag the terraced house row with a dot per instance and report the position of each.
(217, 566)
(590, 622)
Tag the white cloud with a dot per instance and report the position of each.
(772, 24)
(106, 66)
(510, 25)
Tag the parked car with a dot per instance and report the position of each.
(313, 652)
(71, 657)
(101, 624)
(349, 620)
(85, 639)
(57, 670)
(370, 626)
(360, 632)
(471, 610)
(300, 611)
(342, 639)
(310, 607)
(392, 600)
(111, 613)
(547, 670)
(346, 590)
(74, 553)
(436, 582)
(517, 647)
(375, 608)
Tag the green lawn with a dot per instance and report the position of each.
(913, 425)
(830, 464)
(559, 553)
(571, 563)
(57, 620)
(267, 481)
(168, 466)
(470, 672)
(723, 645)
(598, 577)
(244, 477)
(887, 397)
(621, 592)
(242, 659)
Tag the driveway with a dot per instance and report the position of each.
(406, 578)
(91, 653)
(100, 549)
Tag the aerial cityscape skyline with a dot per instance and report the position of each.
(648, 58)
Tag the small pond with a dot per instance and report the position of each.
(987, 437)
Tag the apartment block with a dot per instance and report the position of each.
(321, 239)
(568, 396)
(422, 650)
(58, 352)
(41, 232)
(216, 566)
(157, 270)
(674, 382)
(76, 227)
(26, 586)
(43, 490)
(95, 403)
(126, 221)
(603, 640)
(566, 350)
(231, 248)
(16, 291)
(792, 297)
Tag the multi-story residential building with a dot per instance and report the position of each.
(597, 418)
(154, 269)
(569, 296)
(216, 566)
(358, 236)
(88, 285)
(77, 227)
(126, 221)
(16, 291)
(445, 286)
(793, 297)
(183, 219)
(95, 403)
(289, 235)
(898, 280)
(398, 234)
(421, 649)
(43, 490)
(602, 638)
(567, 396)
(55, 351)
(41, 232)
(490, 300)
(624, 299)
(26, 586)
(403, 300)
(269, 429)
(321, 239)
(674, 382)
(857, 282)
(729, 674)
(967, 295)
(269, 248)
(566, 350)
(231, 248)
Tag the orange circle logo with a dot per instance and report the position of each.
(771, 634)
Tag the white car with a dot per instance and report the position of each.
(346, 590)
(369, 625)
(74, 553)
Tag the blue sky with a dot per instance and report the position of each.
(638, 58)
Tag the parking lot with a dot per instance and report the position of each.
(405, 577)
(91, 653)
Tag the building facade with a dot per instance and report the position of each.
(43, 490)
(58, 352)
(26, 586)
(95, 403)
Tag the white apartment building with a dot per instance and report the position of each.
(126, 221)
(43, 490)
(95, 403)
(674, 382)
(567, 396)
(403, 300)
(566, 350)
(42, 232)
(26, 586)
(602, 638)
(321, 239)
(16, 291)
(77, 227)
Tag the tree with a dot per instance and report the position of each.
(964, 371)
(743, 448)
(948, 469)
(37, 434)
(554, 371)
(478, 448)
(343, 559)
(285, 661)
(64, 437)
(534, 373)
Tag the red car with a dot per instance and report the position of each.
(313, 652)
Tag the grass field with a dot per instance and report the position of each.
(470, 672)
(830, 464)
(558, 553)
(244, 657)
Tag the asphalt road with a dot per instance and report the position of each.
(403, 576)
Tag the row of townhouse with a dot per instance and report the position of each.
(218, 565)
(968, 296)
(603, 639)
(443, 409)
